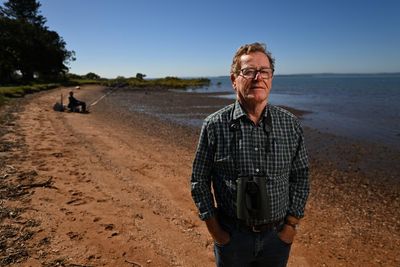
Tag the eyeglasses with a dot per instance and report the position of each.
(251, 73)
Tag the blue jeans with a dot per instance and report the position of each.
(247, 248)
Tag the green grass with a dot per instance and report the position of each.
(3, 100)
(167, 83)
(19, 91)
(85, 81)
(7, 92)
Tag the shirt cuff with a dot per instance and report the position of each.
(207, 215)
(297, 214)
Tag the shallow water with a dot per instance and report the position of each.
(365, 107)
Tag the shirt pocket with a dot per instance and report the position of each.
(224, 178)
(224, 166)
(279, 156)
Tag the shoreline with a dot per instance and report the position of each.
(188, 110)
(122, 182)
(340, 105)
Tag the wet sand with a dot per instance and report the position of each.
(111, 188)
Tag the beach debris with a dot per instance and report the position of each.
(15, 230)
(6, 171)
(27, 175)
(14, 256)
(48, 184)
(6, 146)
(64, 263)
(13, 190)
(135, 264)
(10, 213)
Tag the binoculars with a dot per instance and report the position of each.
(252, 200)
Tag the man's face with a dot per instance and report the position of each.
(252, 92)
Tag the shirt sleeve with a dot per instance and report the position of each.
(201, 175)
(299, 186)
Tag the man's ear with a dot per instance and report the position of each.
(233, 80)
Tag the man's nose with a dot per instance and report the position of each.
(258, 76)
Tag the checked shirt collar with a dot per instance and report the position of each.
(239, 113)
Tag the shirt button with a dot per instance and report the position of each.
(256, 148)
(257, 170)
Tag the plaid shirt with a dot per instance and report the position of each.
(274, 149)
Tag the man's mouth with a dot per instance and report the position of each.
(256, 88)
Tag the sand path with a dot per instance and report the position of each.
(120, 199)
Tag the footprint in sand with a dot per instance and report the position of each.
(57, 154)
(96, 219)
(108, 227)
(45, 167)
(75, 236)
(76, 202)
(38, 162)
(66, 211)
(78, 198)
(75, 192)
(74, 173)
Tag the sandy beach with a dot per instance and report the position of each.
(111, 188)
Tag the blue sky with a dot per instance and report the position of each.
(198, 38)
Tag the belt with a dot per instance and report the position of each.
(251, 228)
(262, 227)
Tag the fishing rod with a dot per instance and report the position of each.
(99, 99)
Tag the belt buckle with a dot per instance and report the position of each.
(255, 229)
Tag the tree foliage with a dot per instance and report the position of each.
(24, 11)
(28, 47)
(140, 76)
(92, 76)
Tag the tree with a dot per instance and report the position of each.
(8, 51)
(140, 76)
(23, 10)
(92, 76)
(120, 78)
(28, 47)
(73, 76)
(53, 57)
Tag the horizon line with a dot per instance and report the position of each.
(296, 74)
(291, 74)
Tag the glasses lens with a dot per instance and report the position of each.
(266, 73)
(251, 73)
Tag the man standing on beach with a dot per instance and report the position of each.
(253, 155)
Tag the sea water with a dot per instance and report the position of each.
(360, 106)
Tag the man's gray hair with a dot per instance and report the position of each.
(247, 49)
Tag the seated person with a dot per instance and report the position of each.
(75, 103)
